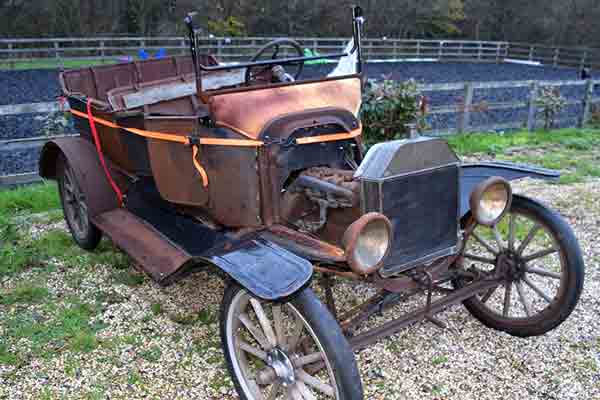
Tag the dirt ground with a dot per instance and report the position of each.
(141, 341)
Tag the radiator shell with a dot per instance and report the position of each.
(416, 184)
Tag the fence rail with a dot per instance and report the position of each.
(230, 49)
(235, 49)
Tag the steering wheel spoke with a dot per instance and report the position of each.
(259, 73)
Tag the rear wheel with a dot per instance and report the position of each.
(75, 208)
(536, 260)
(292, 350)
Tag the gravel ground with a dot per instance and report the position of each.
(158, 355)
(42, 85)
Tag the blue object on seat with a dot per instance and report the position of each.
(143, 55)
(162, 53)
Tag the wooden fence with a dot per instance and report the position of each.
(465, 111)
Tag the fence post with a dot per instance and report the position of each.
(183, 47)
(11, 56)
(531, 118)
(531, 50)
(587, 103)
(440, 50)
(465, 118)
(583, 60)
(57, 54)
(418, 49)
(556, 55)
(102, 52)
(219, 49)
(479, 51)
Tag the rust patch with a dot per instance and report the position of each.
(235, 110)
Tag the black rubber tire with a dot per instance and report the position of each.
(559, 311)
(90, 238)
(327, 329)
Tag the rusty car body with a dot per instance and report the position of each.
(185, 163)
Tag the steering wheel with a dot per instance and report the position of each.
(270, 51)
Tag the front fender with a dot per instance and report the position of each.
(472, 174)
(264, 268)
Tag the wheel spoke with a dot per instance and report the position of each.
(255, 331)
(542, 272)
(294, 393)
(274, 391)
(485, 244)
(511, 231)
(266, 376)
(315, 383)
(507, 298)
(539, 254)
(308, 359)
(255, 390)
(264, 322)
(305, 391)
(278, 322)
(536, 289)
(251, 350)
(488, 294)
(480, 259)
(497, 237)
(523, 299)
(296, 334)
(528, 238)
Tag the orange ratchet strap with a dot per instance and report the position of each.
(195, 142)
(99, 150)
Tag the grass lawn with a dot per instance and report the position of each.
(574, 152)
(52, 64)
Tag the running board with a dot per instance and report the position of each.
(159, 257)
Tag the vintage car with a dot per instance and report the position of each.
(249, 170)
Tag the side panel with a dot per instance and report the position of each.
(472, 174)
(84, 160)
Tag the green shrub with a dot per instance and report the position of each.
(552, 103)
(388, 106)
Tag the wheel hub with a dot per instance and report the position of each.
(510, 266)
(282, 365)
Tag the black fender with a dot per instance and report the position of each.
(262, 267)
(84, 160)
(473, 174)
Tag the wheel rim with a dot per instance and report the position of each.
(74, 204)
(275, 353)
(523, 254)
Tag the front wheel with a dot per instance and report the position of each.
(286, 350)
(535, 258)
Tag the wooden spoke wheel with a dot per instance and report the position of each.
(75, 208)
(536, 260)
(292, 350)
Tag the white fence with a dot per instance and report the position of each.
(235, 49)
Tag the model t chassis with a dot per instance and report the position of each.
(265, 180)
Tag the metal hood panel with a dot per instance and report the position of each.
(401, 157)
